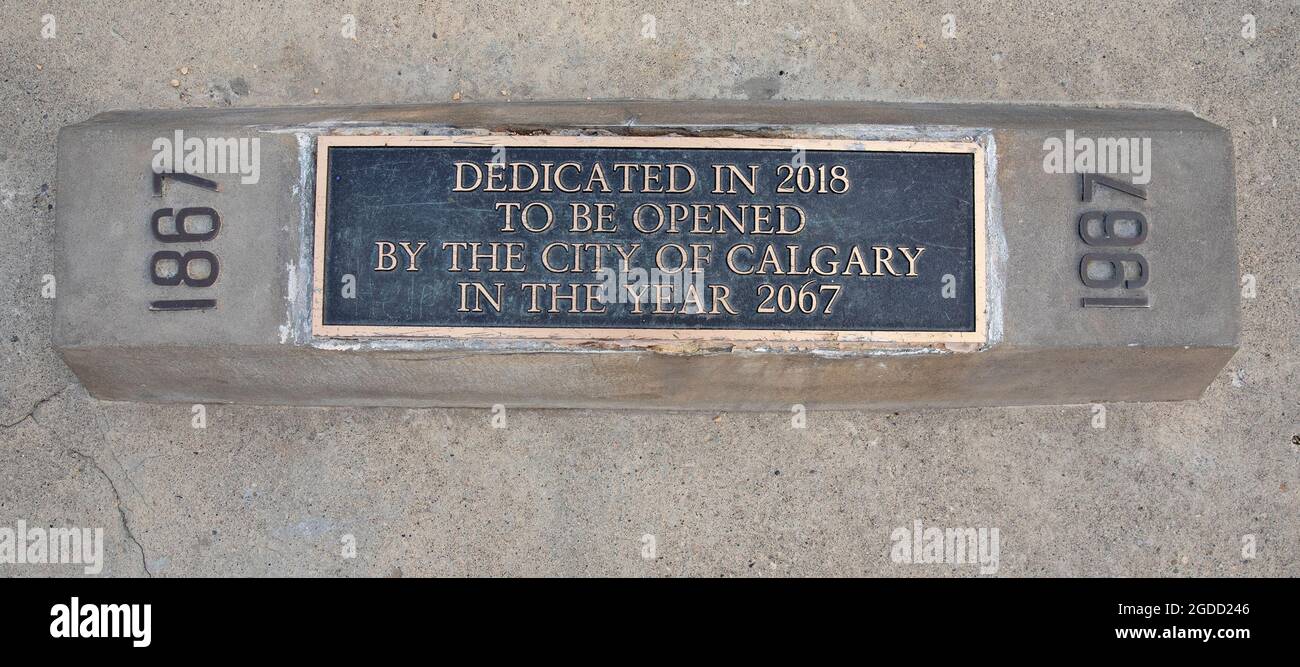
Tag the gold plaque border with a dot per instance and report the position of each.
(320, 329)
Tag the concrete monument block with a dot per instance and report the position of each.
(647, 255)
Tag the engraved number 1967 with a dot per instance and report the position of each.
(1113, 236)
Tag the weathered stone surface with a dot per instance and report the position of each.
(257, 346)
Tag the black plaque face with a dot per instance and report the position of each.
(649, 238)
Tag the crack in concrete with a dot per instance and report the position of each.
(121, 509)
(98, 417)
(31, 414)
(117, 497)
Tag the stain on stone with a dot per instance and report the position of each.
(42, 198)
(226, 92)
(220, 92)
(759, 87)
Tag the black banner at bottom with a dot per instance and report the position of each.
(940, 616)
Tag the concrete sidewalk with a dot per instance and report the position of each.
(1208, 487)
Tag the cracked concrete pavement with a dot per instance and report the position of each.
(1164, 489)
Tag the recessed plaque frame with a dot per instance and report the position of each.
(650, 335)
